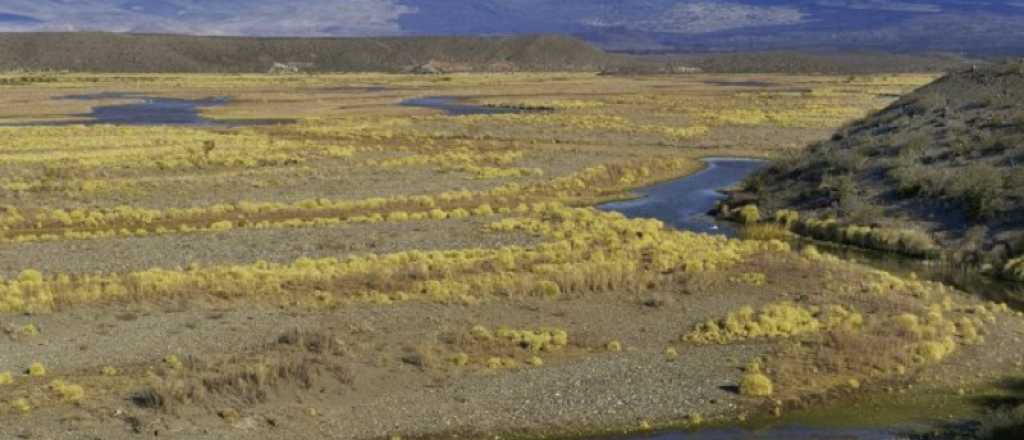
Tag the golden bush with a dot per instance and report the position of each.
(756, 384)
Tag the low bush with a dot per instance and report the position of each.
(1014, 269)
(786, 217)
(37, 369)
(756, 384)
(21, 405)
(980, 189)
(903, 241)
(67, 392)
(780, 320)
(749, 214)
(764, 231)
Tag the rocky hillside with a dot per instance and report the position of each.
(947, 160)
(107, 52)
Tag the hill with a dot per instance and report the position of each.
(836, 62)
(108, 52)
(945, 160)
(974, 27)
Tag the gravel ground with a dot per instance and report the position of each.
(580, 390)
(584, 388)
(243, 246)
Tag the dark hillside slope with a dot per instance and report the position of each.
(947, 159)
(833, 63)
(108, 52)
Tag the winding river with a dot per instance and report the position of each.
(684, 203)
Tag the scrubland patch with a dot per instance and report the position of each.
(583, 290)
(296, 361)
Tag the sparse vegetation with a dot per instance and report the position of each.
(416, 254)
(36, 369)
(756, 384)
(913, 177)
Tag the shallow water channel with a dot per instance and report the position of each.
(683, 203)
(454, 106)
(151, 110)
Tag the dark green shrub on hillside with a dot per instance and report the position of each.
(980, 189)
(962, 146)
(926, 103)
(912, 180)
(916, 147)
(1015, 180)
(850, 161)
(1018, 120)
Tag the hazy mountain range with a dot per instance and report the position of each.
(650, 25)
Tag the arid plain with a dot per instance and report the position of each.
(368, 270)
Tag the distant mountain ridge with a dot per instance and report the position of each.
(975, 26)
(107, 52)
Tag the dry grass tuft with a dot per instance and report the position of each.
(297, 359)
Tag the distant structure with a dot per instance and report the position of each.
(432, 67)
(289, 68)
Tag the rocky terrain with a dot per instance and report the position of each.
(945, 160)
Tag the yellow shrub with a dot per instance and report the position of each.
(535, 340)
(438, 214)
(21, 405)
(749, 214)
(787, 217)
(613, 346)
(935, 351)
(173, 362)
(398, 216)
(751, 278)
(222, 226)
(535, 361)
(481, 333)
(460, 359)
(671, 353)
(6, 378)
(37, 369)
(909, 323)
(29, 330)
(549, 289)
(495, 363)
(764, 231)
(68, 392)
(756, 384)
(772, 321)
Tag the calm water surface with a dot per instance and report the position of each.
(150, 110)
(684, 203)
(454, 107)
